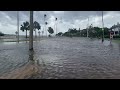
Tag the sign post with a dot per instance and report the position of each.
(111, 36)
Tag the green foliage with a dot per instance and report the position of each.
(66, 34)
(92, 32)
(50, 30)
(1, 34)
(36, 25)
(107, 36)
(118, 36)
(60, 34)
(26, 26)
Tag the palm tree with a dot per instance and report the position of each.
(39, 34)
(36, 26)
(42, 33)
(16, 33)
(45, 27)
(50, 30)
(25, 27)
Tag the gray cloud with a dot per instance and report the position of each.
(8, 19)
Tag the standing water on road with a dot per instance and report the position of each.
(63, 58)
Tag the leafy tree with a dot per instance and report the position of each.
(1, 34)
(50, 30)
(60, 34)
(106, 31)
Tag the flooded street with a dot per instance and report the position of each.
(62, 58)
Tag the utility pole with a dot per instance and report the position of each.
(88, 27)
(54, 26)
(31, 31)
(102, 28)
(18, 24)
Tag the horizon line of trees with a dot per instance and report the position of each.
(1, 34)
(93, 32)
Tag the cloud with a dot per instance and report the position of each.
(66, 19)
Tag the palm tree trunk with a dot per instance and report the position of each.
(35, 34)
(26, 34)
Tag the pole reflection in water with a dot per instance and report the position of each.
(24, 72)
(34, 63)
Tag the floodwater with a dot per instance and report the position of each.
(61, 58)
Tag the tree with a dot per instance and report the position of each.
(25, 27)
(50, 30)
(106, 31)
(16, 33)
(91, 31)
(60, 34)
(66, 34)
(45, 27)
(98, 32)
(1, 34)
(36, 26)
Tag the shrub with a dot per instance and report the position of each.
(1, 34)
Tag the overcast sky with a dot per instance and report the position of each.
(66, 19)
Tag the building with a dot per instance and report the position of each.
(116, 29)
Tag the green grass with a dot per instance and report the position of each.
(117, 41)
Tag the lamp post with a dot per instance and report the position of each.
(31, 31)
(102, 28)
(45, 23)
(56, 25)
(18, 24)
(88, 27)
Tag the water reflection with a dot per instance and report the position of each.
(119, 47)
(63, 58)
(31, 56)
(26, 71)
(34, 63)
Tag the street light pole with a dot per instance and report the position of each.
(18, 24)
(31, 31)
(45, 23)
(56, 25)
(102, 28)
(88, 27)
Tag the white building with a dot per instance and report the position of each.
(116, 29)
